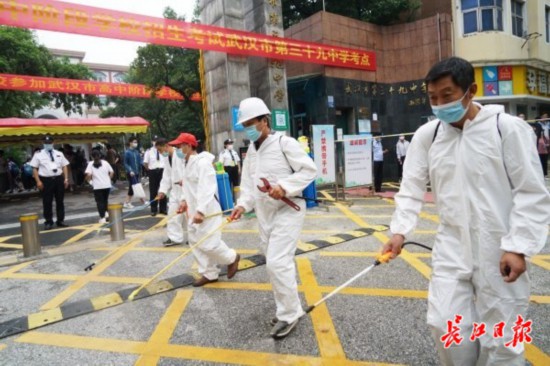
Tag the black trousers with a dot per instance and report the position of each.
(400, 166)
(378, 174)
(53, 187)
(102, 200)
(155, 176)
(233, 173)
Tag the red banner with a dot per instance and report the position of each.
(72, 86)
(87, 20)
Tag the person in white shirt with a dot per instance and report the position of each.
(231, 164)
(171, 185)
(52, 178)
(99, 172)
(401, 150)
(154, 165)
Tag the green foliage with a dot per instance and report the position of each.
(381, 12)
(177, 68)
(21, 54)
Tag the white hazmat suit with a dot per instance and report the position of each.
(200, 190)
(171, 186)
(486, 207)
(279, 224)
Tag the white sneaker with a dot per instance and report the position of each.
(128, 205)
(102, 220)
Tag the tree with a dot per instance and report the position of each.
(21, 54)
(158, 66)
(381, 12)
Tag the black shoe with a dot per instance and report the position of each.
(282, 329)
(169, 243)
(163, 213)
(153, 214)
(62, 224)
(48, 227)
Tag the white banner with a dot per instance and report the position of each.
(323, 153)
(358, 160)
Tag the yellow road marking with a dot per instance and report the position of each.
(11, 246)
(325, 332)
(420, 266)
(540, 263)
(15, 269)
(208, 354)
(77, 237)
(100, 267)
(176, 249)
(425, 232)
(536, 356)
(165, 328)
(425, 215)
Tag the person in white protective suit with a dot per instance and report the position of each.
(289, 170)
(494, 210)
(200, 199)
(171, 186)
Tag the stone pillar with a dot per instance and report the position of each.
(226, 76)
(267, 76)
(229, 79)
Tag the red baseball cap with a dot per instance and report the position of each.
(185, 138)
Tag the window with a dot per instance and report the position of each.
(517, 18)
(482, 15)
(99, 76)
(547, 17)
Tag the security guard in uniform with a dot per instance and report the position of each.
(153, 161)
(52, 178)
(231, 164)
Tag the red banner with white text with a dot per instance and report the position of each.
(87, 20)
(72, 86)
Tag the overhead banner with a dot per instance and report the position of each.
(323, 153)
(358, 160)
(87, 20)
(72, 86)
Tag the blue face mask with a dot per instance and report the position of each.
(451, 112)
(165, 154)
(180, 154)
(48, 147)
(252, 133)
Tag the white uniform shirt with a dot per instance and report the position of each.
(100, 176)
(229, 157)
(154, 159)
(46, 167)
(401, 148)
(172, 177)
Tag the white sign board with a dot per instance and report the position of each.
(358, 160)
(323, 153)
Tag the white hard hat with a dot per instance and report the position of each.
(251, 108)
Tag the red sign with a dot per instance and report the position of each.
(72, 86)
(80, 19)
(504, 73)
